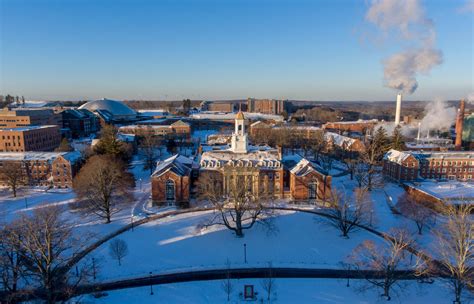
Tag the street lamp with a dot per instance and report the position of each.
(245, 253)
(26, 203)
(151, 286)
(140, 184)
(131, 220)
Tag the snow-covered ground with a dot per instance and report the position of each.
(300, 240)
(321, 291)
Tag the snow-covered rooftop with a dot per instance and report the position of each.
(396, 156)
(453, 192)
(27, 128)
(339, 140)
(40, 156)
(178, 164)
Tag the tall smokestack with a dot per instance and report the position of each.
(459, 125)
(419, 131)
(398, 109)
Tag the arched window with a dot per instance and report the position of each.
(313, 190)
(170, 190)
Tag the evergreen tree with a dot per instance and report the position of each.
(381, 143)
(110, 145)
(397, 140)
(64, 146)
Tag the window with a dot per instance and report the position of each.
(312, 190)
(170, 190)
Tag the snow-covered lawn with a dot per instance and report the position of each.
(320, 291)
(300, 240)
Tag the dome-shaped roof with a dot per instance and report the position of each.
(117, 108)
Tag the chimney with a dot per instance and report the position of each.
(398, 109)
(419, 131)
(459, 125)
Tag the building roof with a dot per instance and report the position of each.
(240, 116)
(339, 140)
(28, 128)
(400, 156)
(177, 164)
(396, 156)
(116, 108)
(41, 156)
(453, 192)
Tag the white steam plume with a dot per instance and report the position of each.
(439, 116)
(406, 19)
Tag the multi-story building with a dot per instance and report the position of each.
(360, 126)
(178, 129)
(80, 122)
(54, 169)
(262, 168)
(410, 165)
(28, 117)
(32, 138)
(266, 106)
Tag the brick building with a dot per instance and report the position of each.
(55, 169)
(32, 138)
(28, 117)
(266, 106)
(360, 126)
(410, 165)
(171, 181)
(80, 122)
(262, 168)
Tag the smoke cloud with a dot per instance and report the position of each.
(438, 116)
(407, 20)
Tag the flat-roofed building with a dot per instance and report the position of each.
(81, 122)
(28, 117)
(266, 106)
(31, 138)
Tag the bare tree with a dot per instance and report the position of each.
(148, 145)
(47, 245)
(386, 261)
(118, 249)
(13, 174)
(456, 248)
(104, 185)
(227, 284)
(268, 283)
(347, 212)
(239, 205)
(318, 144)
(11, 262)
(413, 208)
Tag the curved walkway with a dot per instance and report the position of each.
(237, 273)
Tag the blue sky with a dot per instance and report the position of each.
(314, 50)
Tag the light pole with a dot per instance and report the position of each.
(151, 286)
(140, 184)
(131, 221)
(245, 253)
(26, 203)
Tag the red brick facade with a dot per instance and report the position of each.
(180, 184)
